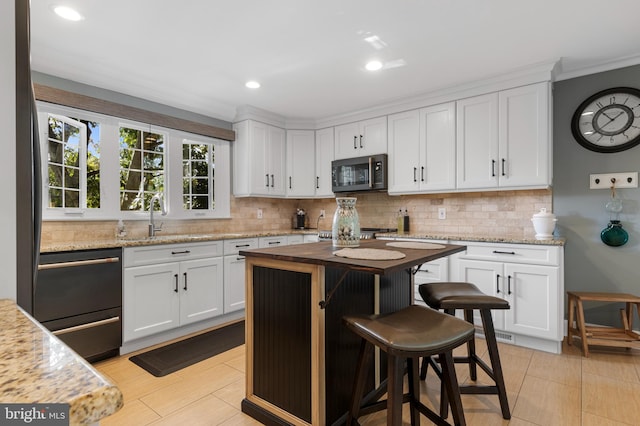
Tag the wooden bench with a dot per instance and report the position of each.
(597, 335)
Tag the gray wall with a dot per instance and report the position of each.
(590, 265)
(108, 95)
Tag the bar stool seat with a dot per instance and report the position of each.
(450, 296)
(410, 333)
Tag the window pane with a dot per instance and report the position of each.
(153, 161)
(185, 151)
(130, 180)
(55, 197)
(199, 151)
(55, 175)
(93, 163)
(130, 201)
(71, 153)
(129, 138)
(71, 179)
(200, 202)
(186, 170)
(200, 186)
(153, 182)
(55, 129)
(55, 152)
(200, 168)
(71, 199)
(153, 142)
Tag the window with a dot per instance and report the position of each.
(66, 162)
(141, 168)
(197, 176)
(97, 167)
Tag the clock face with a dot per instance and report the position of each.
(608, 121)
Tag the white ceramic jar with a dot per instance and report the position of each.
(544, 224)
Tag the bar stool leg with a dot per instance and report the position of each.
(414, 389)
(471, 348)
(450, 381)
(395, 368)
(364, 360)
(572, 313)
(581, 326)
(496, 366)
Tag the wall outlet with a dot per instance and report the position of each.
(322, 214)
(259, 213)
(442, 213)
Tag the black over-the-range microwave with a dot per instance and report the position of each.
(359, 174)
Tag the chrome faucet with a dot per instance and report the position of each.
(153, 228)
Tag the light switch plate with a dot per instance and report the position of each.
(619, 180)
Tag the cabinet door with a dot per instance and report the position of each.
(259, 160)
(404, 152)
(438, 147)
(276, 159)
(431, 272)
(301, 163)
(524, 136)
(374, 136)
(324, 157)
(477, 142)
(534, 296)
(346, 141)
(150, 300)
(487, 276)
(201, 292)
(234, 285)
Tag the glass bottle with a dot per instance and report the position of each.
(614, 235)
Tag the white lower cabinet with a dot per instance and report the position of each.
(159, 295)
(529, 277)
(234, 273)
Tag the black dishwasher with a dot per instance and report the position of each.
(78, 296)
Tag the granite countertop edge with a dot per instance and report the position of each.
(191, 238)
(45, 370)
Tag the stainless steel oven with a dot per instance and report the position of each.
(359, 174)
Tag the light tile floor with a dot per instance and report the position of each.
(543, 389)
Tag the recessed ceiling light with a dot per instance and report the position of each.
(373, 65)
(67, 13)
(252, 84)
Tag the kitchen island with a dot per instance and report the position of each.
(300, 358)
(36, 367)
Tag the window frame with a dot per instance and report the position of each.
(110, 170)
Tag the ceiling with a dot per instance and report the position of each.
(309, 56)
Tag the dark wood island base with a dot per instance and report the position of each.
(300, 358)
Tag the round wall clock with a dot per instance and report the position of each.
(608, 121)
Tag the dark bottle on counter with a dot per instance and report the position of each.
(405, 221)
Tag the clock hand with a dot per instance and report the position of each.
(611, 119)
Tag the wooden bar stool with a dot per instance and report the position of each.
(410, 333)
(466, 296)
(602, 336)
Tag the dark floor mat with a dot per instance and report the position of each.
(173, 357)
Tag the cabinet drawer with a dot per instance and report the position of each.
(149, 255)
(234, 246)
(266, 242)
(519, 253)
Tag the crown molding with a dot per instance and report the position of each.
(626, 61)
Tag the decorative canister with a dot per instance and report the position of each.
(614, 235)
(346, 224)
(544, 223)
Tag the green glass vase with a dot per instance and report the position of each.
(614, 235)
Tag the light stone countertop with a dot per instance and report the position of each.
(36, 367)
(506, 239)
(190, 238)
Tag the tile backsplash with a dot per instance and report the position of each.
(475, 213)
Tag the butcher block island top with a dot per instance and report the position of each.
(37, 368)
(322, 253)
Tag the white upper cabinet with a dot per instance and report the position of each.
(301, 177)
(477, 142)
(368, 137)
(422, 149)
(524, 137)
(503, 139)
(324, 156)
(258, 159)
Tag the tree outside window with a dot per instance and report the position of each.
(142, 173)
(197, 176)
